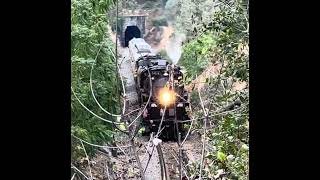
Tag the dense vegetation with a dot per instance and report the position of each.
(160, 21)
(217, 33)
(89, 25)
(222, 38)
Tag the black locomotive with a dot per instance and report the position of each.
(160, 87)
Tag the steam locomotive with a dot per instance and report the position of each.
(160, 88)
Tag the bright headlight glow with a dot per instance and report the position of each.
(166, 96)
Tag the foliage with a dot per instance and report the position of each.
(196, 54)
(171, 9)
(160, 21)
(189, 14)
(113, 24)
(132, 5)
(149, 5)
(89, 22)
(222, 39)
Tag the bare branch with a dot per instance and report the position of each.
(189, 130)
(87, 157)
(90, 110)
(138, 159)
(150, 93)
(93, 95)
(74, 167)
(95, 145)
(163, 114)
(183, 166)
(108, 175)
(73, 176)
(150, 155)
(204, 134)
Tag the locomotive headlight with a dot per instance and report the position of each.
(167, 97)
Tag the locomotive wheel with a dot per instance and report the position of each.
(175, 134)
(168, 132)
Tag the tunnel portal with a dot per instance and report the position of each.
(131, 32)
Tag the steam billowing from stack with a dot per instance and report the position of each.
(174, 47)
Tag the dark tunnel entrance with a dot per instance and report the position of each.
(131, 32)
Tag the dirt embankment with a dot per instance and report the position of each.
(210, 72)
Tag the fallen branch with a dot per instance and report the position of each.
(204, 134)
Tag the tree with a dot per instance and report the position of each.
(89, 28)
(223, 39)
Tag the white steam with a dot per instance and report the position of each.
(174, 47)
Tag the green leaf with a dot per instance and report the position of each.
(244, 147)
(122, 127)
(141, 130)
(130, 172)
(221, 156)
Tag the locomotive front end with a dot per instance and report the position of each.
(169, 98)
(159, 86)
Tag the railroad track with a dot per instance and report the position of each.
(148, 157)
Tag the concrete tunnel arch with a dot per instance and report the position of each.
(131, 32)
(131, 26)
